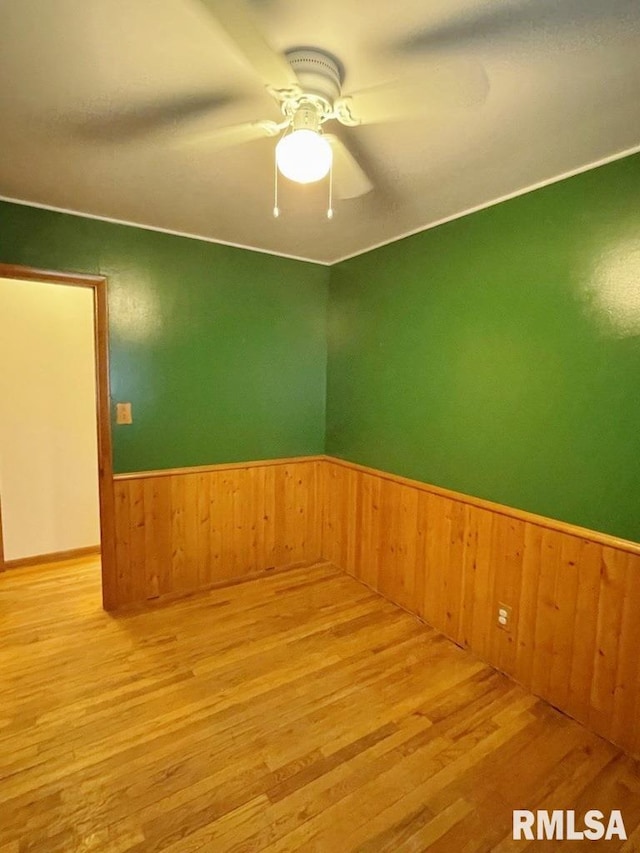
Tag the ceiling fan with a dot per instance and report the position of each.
(306, 83)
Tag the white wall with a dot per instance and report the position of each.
(48, 433)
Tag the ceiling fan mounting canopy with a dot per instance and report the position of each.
(317, 70)
(320, 76)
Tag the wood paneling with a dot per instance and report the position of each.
(575, 634)
(179, 531)
(448, 558)
(298, 712)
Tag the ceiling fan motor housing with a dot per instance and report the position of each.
(320, 76)
(306, 117)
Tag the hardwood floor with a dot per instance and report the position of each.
(295, 712)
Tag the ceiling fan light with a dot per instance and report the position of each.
(304, 156)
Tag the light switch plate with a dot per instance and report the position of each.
(123, 413)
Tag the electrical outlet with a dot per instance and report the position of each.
(505, 615)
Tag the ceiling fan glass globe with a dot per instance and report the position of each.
(304, 156)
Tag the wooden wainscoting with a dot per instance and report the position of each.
(186, 529)
(451, 559)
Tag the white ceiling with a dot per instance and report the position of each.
(98, 98)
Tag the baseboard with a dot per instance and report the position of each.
(53, 557)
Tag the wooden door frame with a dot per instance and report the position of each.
(98, 284)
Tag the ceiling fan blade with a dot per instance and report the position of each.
(218, 138)
(349, 178)
(515, 18)
(143, 119)
(235, 19)
(445, 86)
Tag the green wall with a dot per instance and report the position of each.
(499, 354)
(221, 351)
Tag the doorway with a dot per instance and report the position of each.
(38, 526)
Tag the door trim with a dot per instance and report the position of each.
(98, 284)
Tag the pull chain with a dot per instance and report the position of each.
(276, 209)
(330, 208)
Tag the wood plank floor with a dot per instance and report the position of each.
(295, 712)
